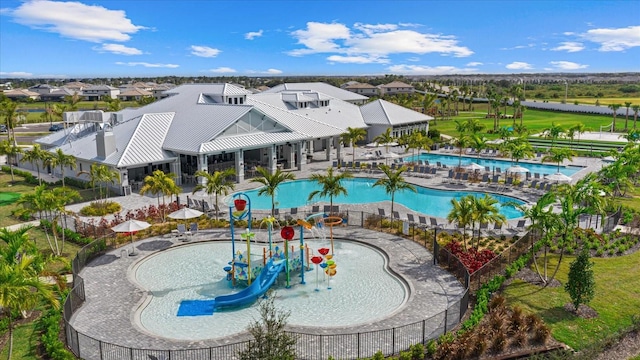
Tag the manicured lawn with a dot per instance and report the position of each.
(633, 199)
(535, 120)
(607, 101)
(25, 342)
(617, 299)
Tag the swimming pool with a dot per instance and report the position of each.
(453, 160)
(362, 292)
(427, 201)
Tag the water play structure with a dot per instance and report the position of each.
(257, 272)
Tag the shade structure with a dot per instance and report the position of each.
(558, 177)
(131, 227)
(495, 142)
(474, 166)
(185, 213)
(517, 169)
(608, 158)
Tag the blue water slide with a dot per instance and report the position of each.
(258, 287)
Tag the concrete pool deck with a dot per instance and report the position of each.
(112, 300)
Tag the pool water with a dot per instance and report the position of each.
(362, 291)
(454, 160)
(427, 201)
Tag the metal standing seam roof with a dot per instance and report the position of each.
(382, 112)
(197, 124)
(145, 145)
(247, 141)
(273, 106)
(320, 87)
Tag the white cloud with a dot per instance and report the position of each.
(519, 65)
(118, 49)
(428, 70)
(16, 74)
(148, 65)
(274, 71)
(519, 47)
(204, 51)
(253, 34)
(568, 33)
(357, 59)
(567, 65)
(614, 39)
(222, 70)
(76, 20)
(372, 41)
(413, 58)
(569, 46)
(474, 63)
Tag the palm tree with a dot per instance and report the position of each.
(59, 158)
(461, 142)
(519, 150)
(59, 198)
(21, 287)
(159, 183)
(11, 151)
(485, 211)
(473, 126)
(218, 183)
(270, 183)
(627, 104)
(614, 108)
(554, 132)
(393, 182)
(418, 141)
(478, 143)
(385, 138)
(636, 109)
(9, 111)
(428, 102)
(101, 174)
(579, 128)
(558, 155)
(462, 214)
(35, 156)
(352, 136)
(331, 185)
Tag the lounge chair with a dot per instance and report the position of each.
(381, 212)
(193, 228)
(315, 209)
(422, 220)
(411, 218)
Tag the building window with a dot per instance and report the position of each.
(230, 101)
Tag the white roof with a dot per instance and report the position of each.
(382, 112)
(324, 88)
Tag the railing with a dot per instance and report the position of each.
(309, 346)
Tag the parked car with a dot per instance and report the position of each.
(56, 127)
(3, 128)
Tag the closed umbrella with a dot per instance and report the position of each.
(131, 227)
(558, 177)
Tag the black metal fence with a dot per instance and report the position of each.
(309, 346)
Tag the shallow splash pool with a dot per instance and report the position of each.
(362, 292)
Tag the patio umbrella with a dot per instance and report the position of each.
(474, 166)
(558, 177)
(517, 169)
(185, 213)
(131, 227)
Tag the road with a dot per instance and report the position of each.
(28, 133)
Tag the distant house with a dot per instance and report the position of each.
(76, 86)
(21, 94)
(43, 89)
(96, 92)
(395, 88)
(57, 95)
(133, 94)
(363, 89)
(158, 91)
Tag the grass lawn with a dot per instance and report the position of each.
(535, 121)
(25, 342)
(607, 101)
(617, 299)
(633, 201)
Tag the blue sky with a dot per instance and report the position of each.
(98, 38)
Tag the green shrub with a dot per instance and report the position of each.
(417, 351)
(49, 326)
(100, 208)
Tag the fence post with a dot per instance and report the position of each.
(393, 341)
(446, 314)
(362, 219)
(424, 330)
(359, 345)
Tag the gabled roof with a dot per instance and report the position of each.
(324, 88)
(396, 84)
(99, 87)
(382, 112)
(135, 92)
(360, 86)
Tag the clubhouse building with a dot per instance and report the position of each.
(217, 126)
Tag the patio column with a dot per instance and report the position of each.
(239, 166)
(301, 154)
(338, 145)
(202, 165)
(175, 168)
(327, 148)
(271, 154)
